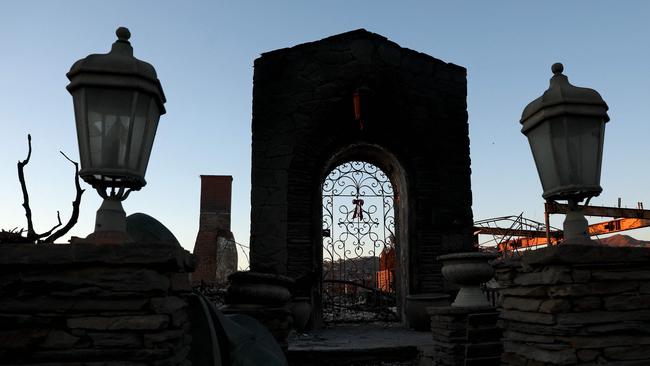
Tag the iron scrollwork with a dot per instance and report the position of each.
(358, 228)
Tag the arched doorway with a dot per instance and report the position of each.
(359, 245)
(377, 176)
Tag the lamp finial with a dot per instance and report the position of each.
(123, 34)
(557, 68)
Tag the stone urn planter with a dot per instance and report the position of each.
(301, 311)
(265, 297)
(468, 270)
(416, 309)
(259, 288)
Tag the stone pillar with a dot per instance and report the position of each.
(576, 305)
(465, 336)
(84, 303)
(215, 246)
(466, 333)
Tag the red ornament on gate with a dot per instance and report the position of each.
(358, 209)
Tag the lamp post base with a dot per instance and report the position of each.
(576, 227)
(110, 216)
(109, 237)
(110, 224)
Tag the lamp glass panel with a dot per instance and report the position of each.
(539, 139)
(79, 100)
(577, 141)
(566, 145)
(142, 134)
(568, 153)
(109, 124)
(592, 154)
(153, 116)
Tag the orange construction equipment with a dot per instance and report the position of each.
(630, 213)
(629, 219)
(523, 243)
(617, 225)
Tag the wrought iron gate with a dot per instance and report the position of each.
(359, 248)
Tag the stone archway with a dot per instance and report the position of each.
(358, 96)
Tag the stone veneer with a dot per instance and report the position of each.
(576, 304)
(465, 336)
(73, 304)
(413, 127)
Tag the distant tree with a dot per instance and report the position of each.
(16, 236)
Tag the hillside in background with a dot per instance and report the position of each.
(620, 240)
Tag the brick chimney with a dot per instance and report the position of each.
(214, 226)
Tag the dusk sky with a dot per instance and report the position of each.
(203, 52)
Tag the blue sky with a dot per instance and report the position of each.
(204, 51)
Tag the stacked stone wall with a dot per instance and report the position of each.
(576, 304)
(101, 305)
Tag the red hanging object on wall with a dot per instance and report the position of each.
(356, 99)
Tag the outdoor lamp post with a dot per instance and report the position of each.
(566, 128)
(118, 101)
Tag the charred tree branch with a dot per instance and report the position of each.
(31, 235)
(75, 205)
(40, 236)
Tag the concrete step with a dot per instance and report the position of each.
(393, 356)
(359, 344)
